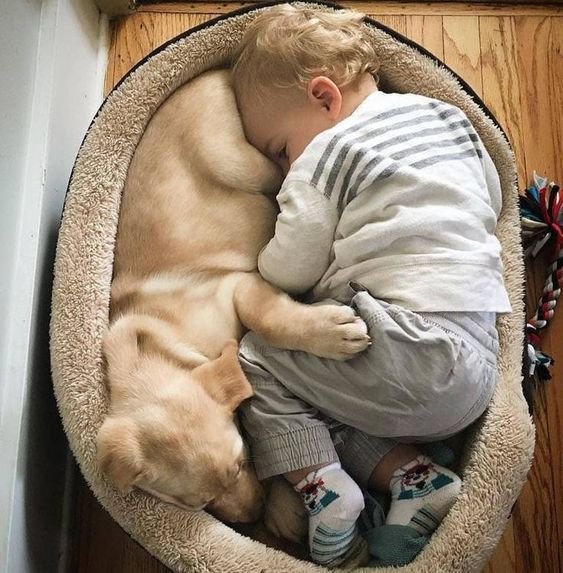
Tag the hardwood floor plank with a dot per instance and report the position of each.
(538, 121)
(134, 41)
(170, 25)
(504, 557)
(110, 70)
(501, 88)
(556, 91)
(103, 546)
(552, 344)
(381, 7)
(462, 50)
(427, 31)
(535, 519)
(533, 44)
(535, 523)
(396, 22)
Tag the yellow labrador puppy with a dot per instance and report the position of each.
(195, 213)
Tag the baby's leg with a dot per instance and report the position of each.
(421, 492)
(289, 437)
(333, 502)
(419, 377)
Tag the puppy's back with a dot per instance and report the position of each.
(194, 199)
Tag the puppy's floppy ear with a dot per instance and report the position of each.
(119, 452)
(223, 378)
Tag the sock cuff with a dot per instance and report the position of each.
(421, 459)
(316, 474)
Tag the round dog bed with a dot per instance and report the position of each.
(499, 452)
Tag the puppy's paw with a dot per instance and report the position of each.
(336, 332)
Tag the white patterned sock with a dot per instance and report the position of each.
(333, 501)
(422, 493)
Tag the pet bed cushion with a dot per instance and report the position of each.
(499, 452)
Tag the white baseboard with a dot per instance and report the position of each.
(56, 60)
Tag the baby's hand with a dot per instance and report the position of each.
(336, 332)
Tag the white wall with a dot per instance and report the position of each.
(51, 77)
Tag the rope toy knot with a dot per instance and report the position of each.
(541, 209)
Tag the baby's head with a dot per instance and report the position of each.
(297, 73)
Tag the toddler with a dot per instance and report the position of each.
(389, 204)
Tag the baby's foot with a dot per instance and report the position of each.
(422, 493)
(334, 502)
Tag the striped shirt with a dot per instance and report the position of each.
(400, 196)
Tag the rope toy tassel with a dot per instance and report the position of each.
(541, 209)
(539, 361)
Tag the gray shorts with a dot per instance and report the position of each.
(427, 376)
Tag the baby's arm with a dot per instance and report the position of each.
(299, 252)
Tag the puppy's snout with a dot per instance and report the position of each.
(239, 505)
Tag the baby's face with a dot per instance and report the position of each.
(282, 127)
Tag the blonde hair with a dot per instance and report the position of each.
(285, 47)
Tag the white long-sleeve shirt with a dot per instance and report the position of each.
(402, 197)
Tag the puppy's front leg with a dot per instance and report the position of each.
(329, 331)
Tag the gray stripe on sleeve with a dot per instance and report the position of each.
(362, 176)
(391, 169)
(394, 141)
(416, 121)
(445, 128)
(346, 182)
(378, 117)
(387, 172)
(433, 145)
(448, 157)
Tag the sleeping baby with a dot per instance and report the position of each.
(389, 205)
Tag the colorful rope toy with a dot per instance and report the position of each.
(541, 209)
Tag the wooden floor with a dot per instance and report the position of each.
(512, 56)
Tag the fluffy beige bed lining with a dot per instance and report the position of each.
(496, 462)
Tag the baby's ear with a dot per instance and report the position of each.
(119, 453)
(223, 378)
(324, 93)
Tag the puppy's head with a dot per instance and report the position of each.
(243, 502)
(171, 429)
